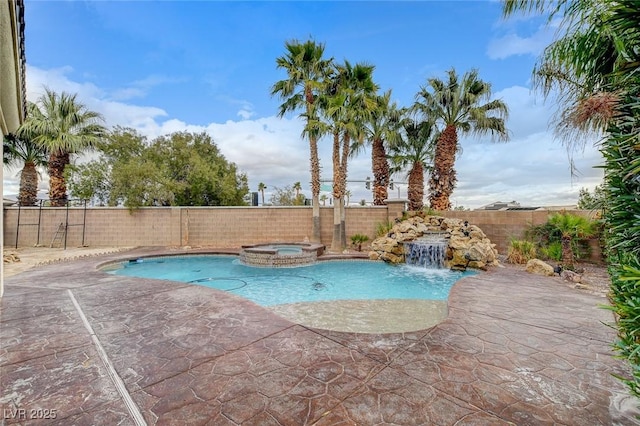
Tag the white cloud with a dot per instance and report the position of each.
(96, 99)
(514, 44)
(140, 88)
(532, 168)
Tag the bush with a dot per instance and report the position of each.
(575, 228)
(383, 228)
(521, 251)
(358, 239)
(552, 252)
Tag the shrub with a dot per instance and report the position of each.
(552, 252)
(358, 239)
(564, 228)
(383, 228)
(521, 251)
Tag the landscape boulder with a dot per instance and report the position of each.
(539, 267)
(571, 276)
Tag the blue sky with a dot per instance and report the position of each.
(209, 66)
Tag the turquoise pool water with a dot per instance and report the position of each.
(327, 280)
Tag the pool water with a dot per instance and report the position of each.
(286, 250)
(322, 281)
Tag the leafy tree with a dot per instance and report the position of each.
(414, 151)
(91, 181)
(286, 197)
(459, 105)
(589, 201)
(307, 72)
(63, 126)
(31, 156)
(179, 169)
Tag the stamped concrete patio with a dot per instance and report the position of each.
(86, 348)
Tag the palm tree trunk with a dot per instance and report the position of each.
(380, 172)
(443, 177)
(28, 195)
(343, 190)
(337, 199)
(57, 184)
(416, 187)
(315, 189)
(567, 253)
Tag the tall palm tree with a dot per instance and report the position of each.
(414, 152)
(31, 156)
(307, 72)
(383, 128)
(261, 188)
(63, 126)
(459, 105)
(346, 107)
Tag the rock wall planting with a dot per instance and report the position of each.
(468, 245)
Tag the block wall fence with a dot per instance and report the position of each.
(228, 227)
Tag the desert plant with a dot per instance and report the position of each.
(521, 251)
(571, 227)
(553, 251)
(548, 237)
(383, 228)
(358, 239)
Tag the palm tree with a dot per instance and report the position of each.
(261, 188)
(297, 187)
(348, 194)
(19, 151)
(63, 126)
(346, 107)
(307, 71)
(382, 128)
(571, 227)
(414, 151)
(458, 105)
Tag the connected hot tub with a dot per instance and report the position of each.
(281, 255)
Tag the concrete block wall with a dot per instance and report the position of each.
(503, 226)
(180, 226)
(231, 226)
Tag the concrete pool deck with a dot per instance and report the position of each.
(101, 349)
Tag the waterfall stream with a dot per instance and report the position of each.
(429, 251)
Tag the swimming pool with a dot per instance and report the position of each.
(322, 281)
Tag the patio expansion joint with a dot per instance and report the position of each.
(117, 380)
(194, 365)
(553, 329)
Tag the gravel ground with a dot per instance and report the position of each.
(595, 278)
(24, 258)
